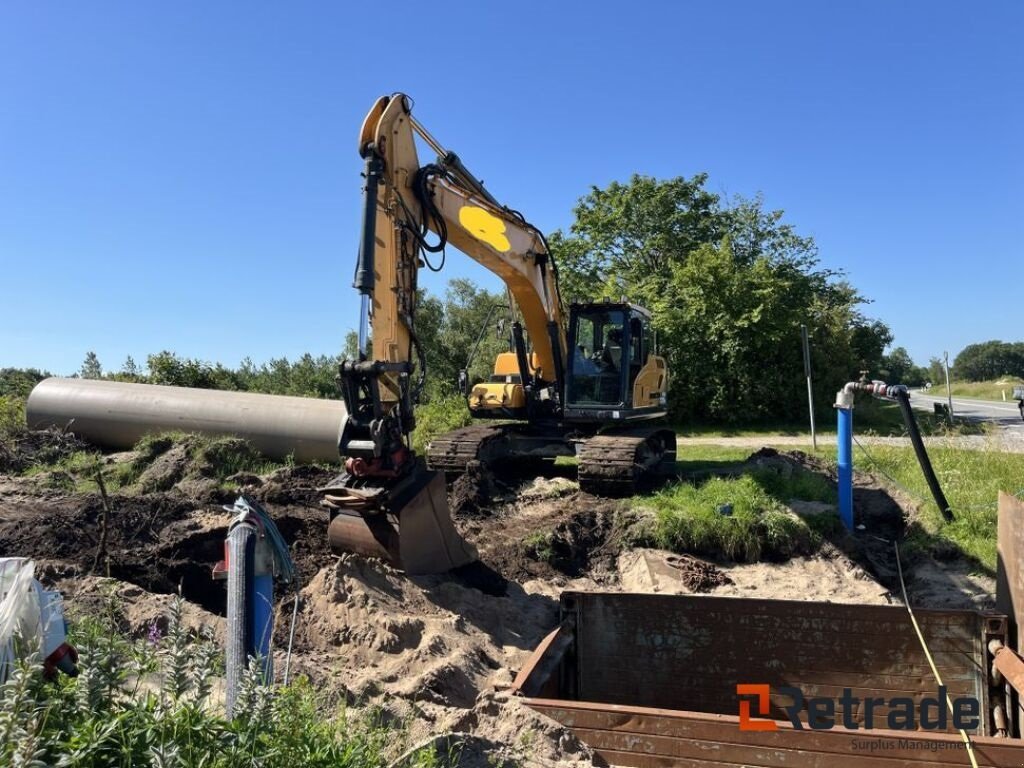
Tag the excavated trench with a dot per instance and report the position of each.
(540, 528)
(439, 652)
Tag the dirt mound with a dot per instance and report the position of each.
(432, 650)
(548, 538)
(652, 570)
(295, 485)
(30, 448)
(162, 542)
(473, 492)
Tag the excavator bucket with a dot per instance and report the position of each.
(411, 529)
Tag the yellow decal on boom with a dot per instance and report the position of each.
(484, 226)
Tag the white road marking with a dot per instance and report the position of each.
(970, 404)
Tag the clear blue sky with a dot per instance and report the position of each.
(184, 175)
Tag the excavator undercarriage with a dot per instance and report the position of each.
(618, 463)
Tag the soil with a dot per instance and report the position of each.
(437, 653)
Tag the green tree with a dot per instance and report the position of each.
(450, 330)
(91, 368)
(626, 237)
(18, 382)
(899, 368)
(990, 360)
(130, 368)
(730, 284)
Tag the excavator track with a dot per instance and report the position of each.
(452, 453)
(610, 464)
(619, 464)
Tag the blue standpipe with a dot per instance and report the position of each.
(845, 450)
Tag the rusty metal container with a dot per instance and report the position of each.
(651, 680)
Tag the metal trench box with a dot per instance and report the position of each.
(650, 680)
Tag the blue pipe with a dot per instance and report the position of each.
(845, 445)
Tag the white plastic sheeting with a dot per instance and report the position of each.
(31, 618)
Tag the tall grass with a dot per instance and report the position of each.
(142, 703)
(971, 481)
(983, 390)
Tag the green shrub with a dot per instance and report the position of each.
(151, 703)
(540, 546)
(441, 414)
(12, 415)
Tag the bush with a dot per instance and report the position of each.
(12, 416)
(441, 414)
(152, 703)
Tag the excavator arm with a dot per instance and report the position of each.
(385, 503)
(410, 212)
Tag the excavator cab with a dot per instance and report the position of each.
(614, 371)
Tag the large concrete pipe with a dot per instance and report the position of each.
(116, 415)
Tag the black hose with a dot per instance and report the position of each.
(903, 398)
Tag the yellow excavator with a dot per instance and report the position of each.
(586, 382)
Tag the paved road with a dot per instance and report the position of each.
(1012, 442)
(1005, 415)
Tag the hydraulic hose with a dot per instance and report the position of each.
(903, 398)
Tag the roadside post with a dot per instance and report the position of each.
(810, 390)
(949, 392)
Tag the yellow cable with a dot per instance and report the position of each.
(928, 655)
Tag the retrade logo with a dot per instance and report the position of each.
(763, 694)
(900, 713)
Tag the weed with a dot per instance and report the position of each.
(540, 546)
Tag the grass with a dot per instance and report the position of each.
(871, 415)
(971, 480)
(151, 702)
(981, 390)
(217, 458)
(742, 519)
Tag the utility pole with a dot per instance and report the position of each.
(949, 391)
(810, 390)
